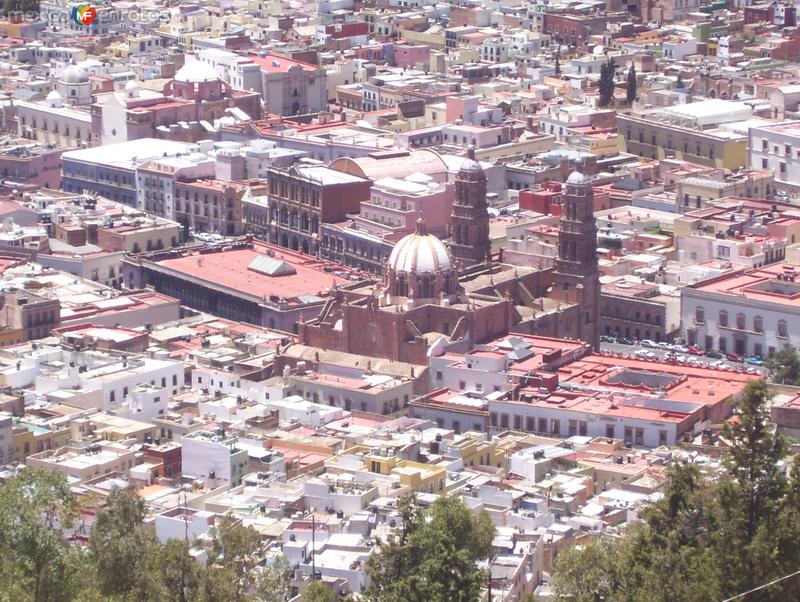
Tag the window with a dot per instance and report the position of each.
(699, 315)
(639, 436)
(783, 329)
(610, 431)
(662, 437)
(764, 164)
(740, 321)
(758, 324)
(723, 318)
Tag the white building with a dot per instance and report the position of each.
(777, 147)
(749, 312)
(214, 458)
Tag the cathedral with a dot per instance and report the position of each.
(429, 290)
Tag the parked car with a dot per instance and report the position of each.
(753, 370)
(679, 349)
(755, 361)
(694, 350)
(719, 364)
(624, 341)
(735, 357)
(645, 354)
(605, 338)
(713, 354)
(663, 345)
(649, 344)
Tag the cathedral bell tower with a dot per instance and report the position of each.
(577, 278)
(470, 244)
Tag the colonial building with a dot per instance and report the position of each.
(210, 206)
(419, 300)
(470, 219)
(186, 109)
(303, 197)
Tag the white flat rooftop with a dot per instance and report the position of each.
(131, 153)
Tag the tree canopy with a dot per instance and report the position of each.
(784, 366)
(124, 561)
(607, 73)
(630, 89)
(434, 557)
(707, 538)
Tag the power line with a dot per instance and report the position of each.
(755, 589)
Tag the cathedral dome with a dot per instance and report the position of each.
(420, 253)
(470, 164)
(577, 178)
(194, 72)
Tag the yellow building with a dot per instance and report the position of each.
(475, 450)
(30, 438)
(416, 476)
(710, 132)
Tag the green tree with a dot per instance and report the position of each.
(180, 574)
(36, 561)
(607, 72)
(706, 538)
(124, 552)
(784, 367)
(235, 553)
(318, 592)
(433, 556)
(274, 581)
(630, 90)
(752, 499)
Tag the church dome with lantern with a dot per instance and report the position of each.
(420, 253)
(420, 268)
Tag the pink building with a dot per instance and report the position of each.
(406, 55)
(395, 205)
